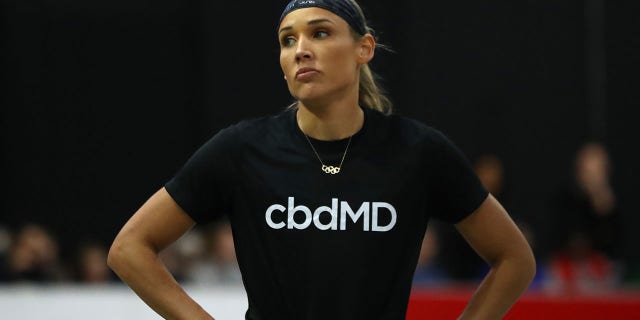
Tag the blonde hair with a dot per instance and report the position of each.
(370, 94)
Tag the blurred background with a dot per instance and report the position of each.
(103, 101)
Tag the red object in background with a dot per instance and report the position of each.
(448, 303)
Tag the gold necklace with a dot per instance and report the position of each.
(325, 168)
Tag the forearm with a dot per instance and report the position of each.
(500, 289)
(144, 272)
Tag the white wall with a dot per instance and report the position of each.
(107, 303)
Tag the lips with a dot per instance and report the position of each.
(304, 74)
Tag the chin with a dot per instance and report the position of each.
(307, 96)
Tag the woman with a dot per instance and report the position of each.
(328, 200)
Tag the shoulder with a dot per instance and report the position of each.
(253, 129)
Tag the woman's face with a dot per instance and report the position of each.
(319, 56)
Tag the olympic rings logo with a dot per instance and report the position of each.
(330, 169)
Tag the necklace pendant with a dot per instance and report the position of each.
(330, 169)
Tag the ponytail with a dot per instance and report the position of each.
(370, 94)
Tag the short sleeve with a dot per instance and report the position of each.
(203, 186)
(454, 190)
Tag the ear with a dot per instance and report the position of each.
(366, 49)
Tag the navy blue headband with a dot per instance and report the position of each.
(345, 9)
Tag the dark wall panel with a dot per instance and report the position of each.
(102, 101)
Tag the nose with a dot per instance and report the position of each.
(303, 52)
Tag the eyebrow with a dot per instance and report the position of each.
(311, 22)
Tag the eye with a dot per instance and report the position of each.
(287, 41)
(320, 34)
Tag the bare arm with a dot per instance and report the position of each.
(494, 236)
(134, 257)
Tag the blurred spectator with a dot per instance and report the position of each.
(585, 240)
(428, 271)
(33, 257)
(91, 265)
(588, 207)
(219, 265)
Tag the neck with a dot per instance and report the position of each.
(330, 123)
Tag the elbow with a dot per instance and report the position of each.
(528, 265)
(522, 264)
(525, 262)
(128, 254)
(115, 256)
(120, 255)
(532, 267)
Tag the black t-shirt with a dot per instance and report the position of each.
(312, 245)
